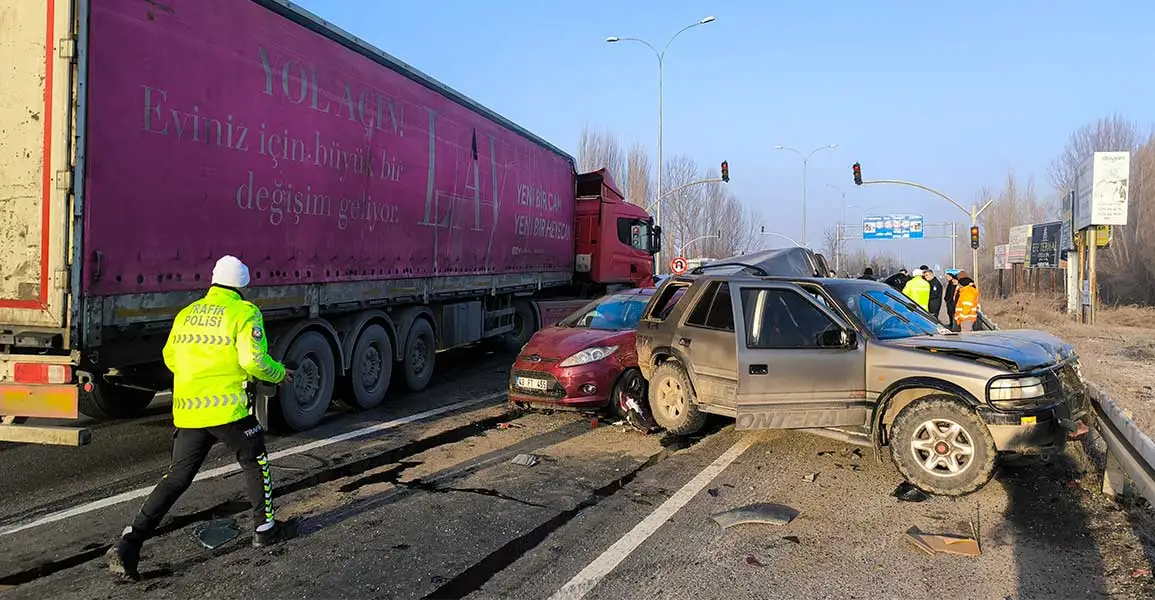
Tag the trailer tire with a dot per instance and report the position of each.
(111, 401)
(306, 399)
(420, 355)
(370, 370)
(524, 326)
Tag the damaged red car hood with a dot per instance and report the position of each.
(561, 342)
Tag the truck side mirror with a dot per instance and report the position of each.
(656, 242)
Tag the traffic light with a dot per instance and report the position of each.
(857, 174)
(726, 171)
(974, 238)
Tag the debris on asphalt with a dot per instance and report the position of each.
(762, 512)
(826, 453)
(1137, 573)
(753, 561)
(509, 425)
(713, 492)
(854, 468)
(942, 544)
(792, 538)
(810, 477)
(853, 453)
(907, 492)
(216, 533)
(526, 460)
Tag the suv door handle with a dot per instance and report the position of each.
(684, 341)
(759, 370)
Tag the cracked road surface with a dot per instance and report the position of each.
(433, 508)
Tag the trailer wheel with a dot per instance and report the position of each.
(524, 326)
(111, 401)
(372, 367)
(306, 399)
(420, 355)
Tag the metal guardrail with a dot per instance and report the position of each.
(1130, 451)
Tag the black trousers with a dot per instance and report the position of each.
(190, 448)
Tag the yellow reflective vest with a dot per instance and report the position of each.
(217, 343)
(918, 289)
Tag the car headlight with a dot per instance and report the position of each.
(1018, 393)
(588, 356)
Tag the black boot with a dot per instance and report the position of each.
(124, 557)
(279, 532)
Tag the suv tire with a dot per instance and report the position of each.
(943, 427)
(673, 401)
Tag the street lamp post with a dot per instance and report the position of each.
(805, 161)
(839, 239)
(661, 55)
(682, 249)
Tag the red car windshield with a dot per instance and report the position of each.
(616, 312)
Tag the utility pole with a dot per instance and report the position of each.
(805, 161)
(661, 55)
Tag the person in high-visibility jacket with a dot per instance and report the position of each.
(966, 311)
(917, 288)
(217, 344)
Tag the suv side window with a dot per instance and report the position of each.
(713, 310)
(667, 301)
(778, 319)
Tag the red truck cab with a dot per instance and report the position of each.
(615, 240)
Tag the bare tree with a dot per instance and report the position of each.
(830, 243)
(601, 150)
(1108, 134)
(1126, 273)
(681, 210)
(638, 175)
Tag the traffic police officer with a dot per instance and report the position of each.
(216, 345)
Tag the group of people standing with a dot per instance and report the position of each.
(960, 294)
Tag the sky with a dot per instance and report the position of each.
(951, 95)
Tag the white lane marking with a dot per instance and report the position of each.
(589, 577)
(230, 468)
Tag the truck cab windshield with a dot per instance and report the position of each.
(635, 233)
(889, 315)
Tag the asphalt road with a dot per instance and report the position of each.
(433, 508)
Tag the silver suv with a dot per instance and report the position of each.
(857, 361)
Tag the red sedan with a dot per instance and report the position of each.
(585, 360)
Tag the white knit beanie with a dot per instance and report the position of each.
(230, 272)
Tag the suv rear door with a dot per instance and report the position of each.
(706, 337)
(799, 364)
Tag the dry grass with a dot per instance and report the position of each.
(1117, 353)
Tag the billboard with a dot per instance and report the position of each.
(1044, 249)
(1020, 240)
(891, 227)
(1001, 256)
(1067, 234)
(1101, 190)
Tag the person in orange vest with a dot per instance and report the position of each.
(966, 311)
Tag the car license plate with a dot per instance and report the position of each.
(531, 383)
